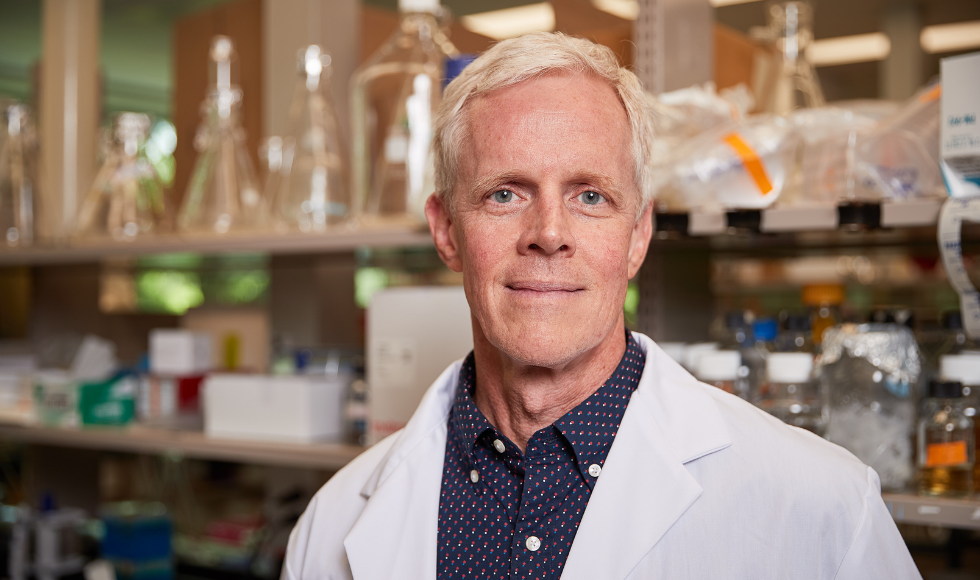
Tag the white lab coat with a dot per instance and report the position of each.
(698, 484)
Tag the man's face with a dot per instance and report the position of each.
(544, 228)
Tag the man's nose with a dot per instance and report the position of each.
(549, 227)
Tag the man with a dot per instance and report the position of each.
(564, 445)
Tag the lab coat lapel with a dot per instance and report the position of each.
(396, 534)
(644, 487)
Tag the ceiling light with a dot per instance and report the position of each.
(950, 37)
(717, 3)
(628, 9)
(511, 22)
(849, 49)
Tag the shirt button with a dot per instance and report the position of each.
(595, 470)
(533, 543)
(475, 476)
(499, 445)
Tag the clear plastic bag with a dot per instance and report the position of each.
(899, 159)
(828, 138)
(126, 200)
(738, 166)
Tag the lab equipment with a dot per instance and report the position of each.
(394, 97)
(790, 393)
(789, 32)
(223, 193)
(179, 352)
(871, 373)
(18, 175)
(126, 200)
(309, 192)
(724, 369)
(945, 442)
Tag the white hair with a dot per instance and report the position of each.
(533, 55)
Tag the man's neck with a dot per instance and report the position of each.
(520, 399)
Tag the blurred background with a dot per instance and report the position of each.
(216, 286)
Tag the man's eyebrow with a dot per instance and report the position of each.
(483, 184)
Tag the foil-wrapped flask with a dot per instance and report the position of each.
(126, 200)
(223, 194)
(310, 191)
(18, 175)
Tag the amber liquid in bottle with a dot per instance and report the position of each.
(946, 481)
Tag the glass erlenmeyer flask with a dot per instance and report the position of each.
(311, 190)
(394, 97)
(18, 174)
(126, 200)
(223, 194)
(793, 84)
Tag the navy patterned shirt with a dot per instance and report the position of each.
(503, 514)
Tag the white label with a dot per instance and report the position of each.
(955, 211)
(395, 361)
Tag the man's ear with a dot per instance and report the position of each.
(640, 239)
(443, 233)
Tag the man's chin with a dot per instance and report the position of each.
(545, 345)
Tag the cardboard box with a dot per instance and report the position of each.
(959, 142)
(176, 352)
(296, 409)
(413, 334)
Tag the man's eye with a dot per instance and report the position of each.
(503, 196)
(590, 197)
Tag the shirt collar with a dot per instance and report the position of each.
(589, 428)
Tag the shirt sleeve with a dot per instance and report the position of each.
(877, 550)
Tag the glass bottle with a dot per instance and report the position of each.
(394, 97)
(796, 336)
(754, 357)
(824, 301)
(956, 341)
(965, 369)
(738, 331)
(18, 174)
(795, 84)
(945, 442)
(310, 192)
(223, 194)
(724, 369)
(126, 199)
(790, 393)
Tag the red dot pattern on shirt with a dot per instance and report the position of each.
(484, 526)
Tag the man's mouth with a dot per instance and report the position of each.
(544, 287)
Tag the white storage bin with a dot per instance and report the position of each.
(175, 352)
(299, 409)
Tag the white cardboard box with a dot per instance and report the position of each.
(295, 409)
(413, 334)
(177, 352)
(959, 142)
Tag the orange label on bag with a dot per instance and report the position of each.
(753, 165)
(939, 454)
(932, 94)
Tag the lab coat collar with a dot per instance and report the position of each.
(671, 420)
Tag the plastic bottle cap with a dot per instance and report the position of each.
(719, 365)
(798, 322)
(964, 368)
(674, 350)
(418, 5)
(789, 367)
(817, 294)
(693, 353)
(953, 320)
(945, 390)
(765, 329)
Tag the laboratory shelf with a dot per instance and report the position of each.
(339, 240)
(950, 513)
(139, 439)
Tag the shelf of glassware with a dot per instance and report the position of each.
(338, 240)
(151, 440)
(934, 511)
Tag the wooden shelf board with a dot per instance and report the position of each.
(138, 439)
(290, 243)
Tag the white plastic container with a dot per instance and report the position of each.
(294, 409)
(175, 352)
(723, 369)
